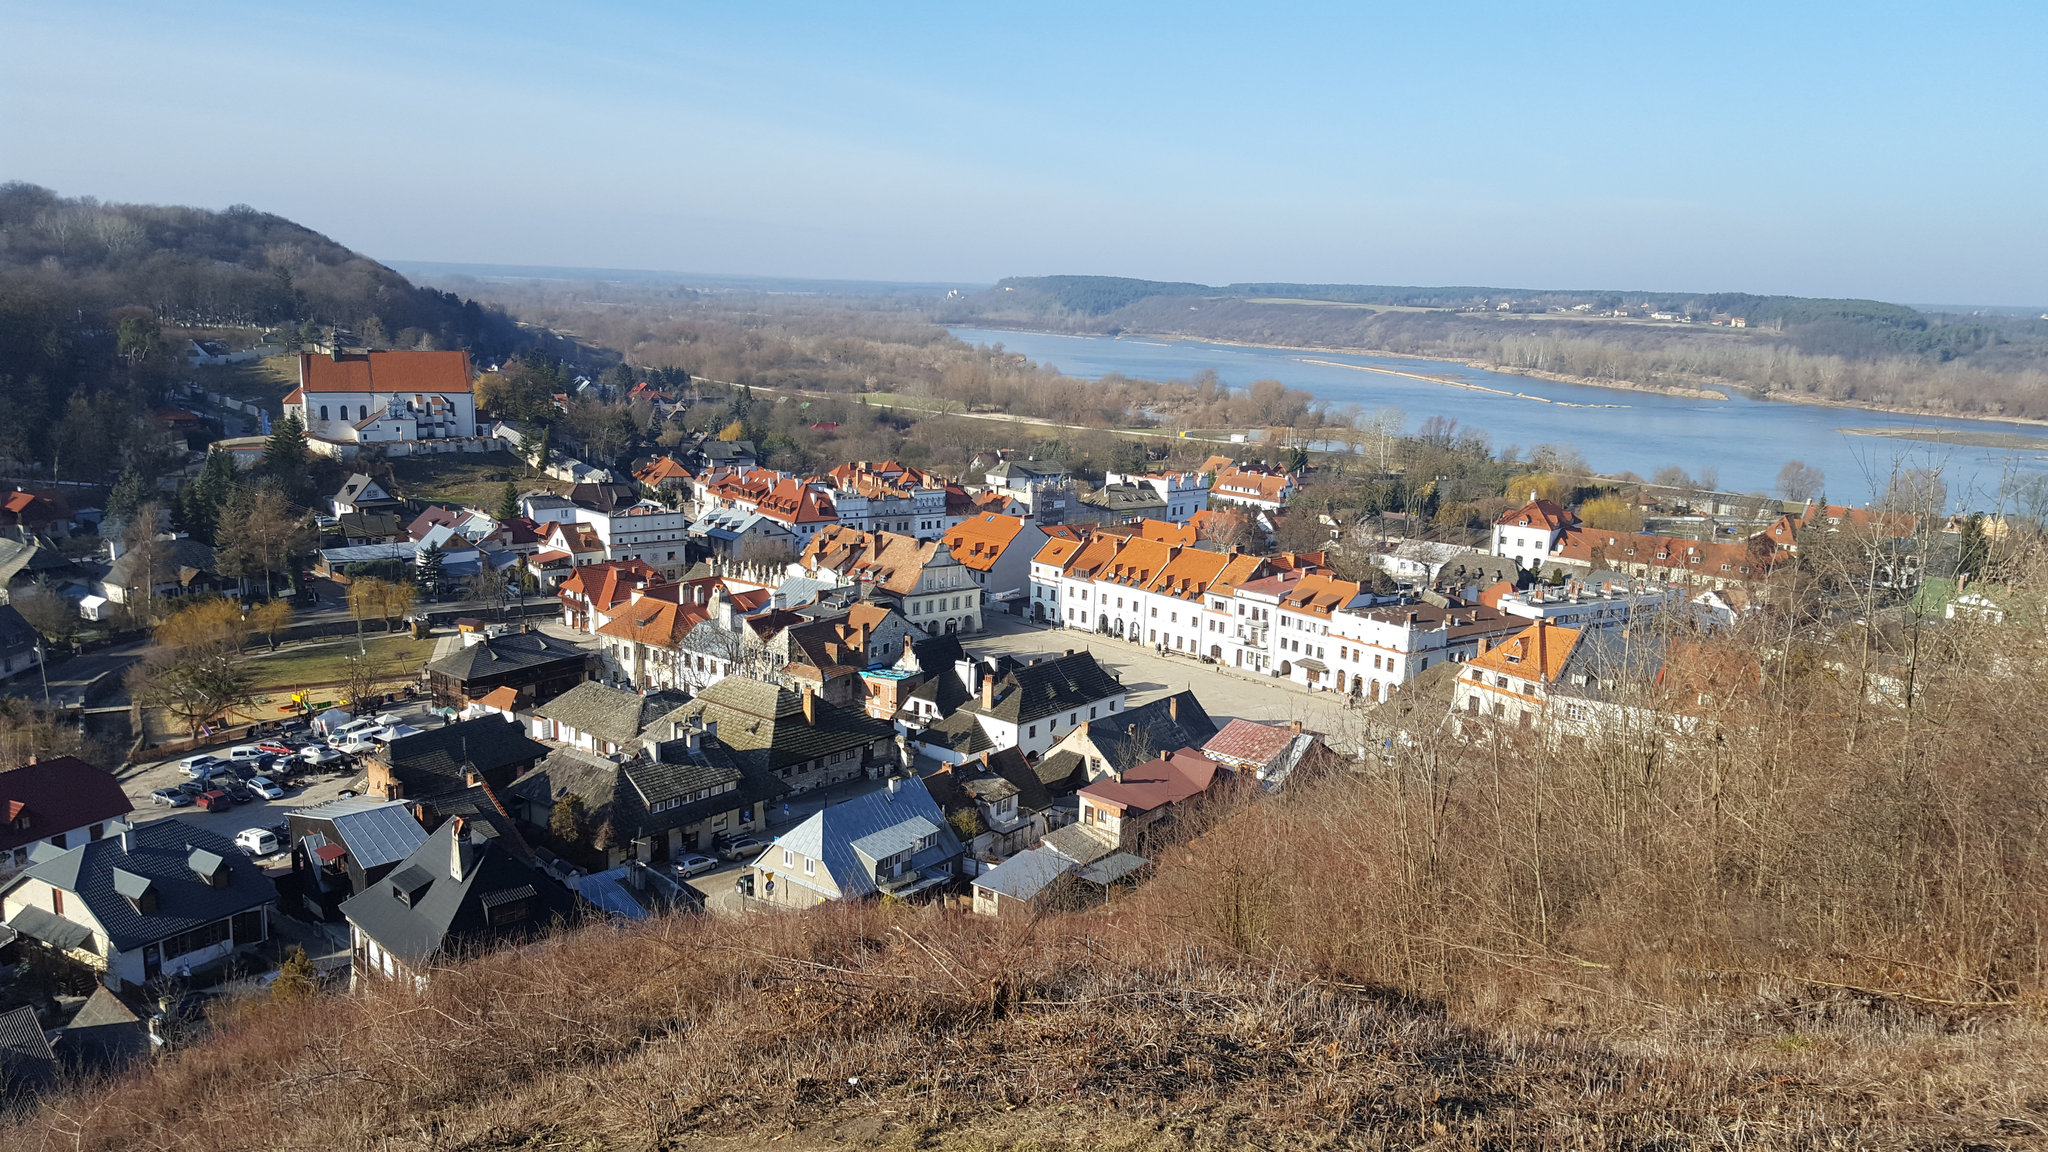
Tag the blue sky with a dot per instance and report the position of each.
(1893, 151)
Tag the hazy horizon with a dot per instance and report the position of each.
(1831, 150)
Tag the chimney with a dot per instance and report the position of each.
(457, 840)
(1482, 647)
(1294, 726)
(1173, 708)
(810, 706)
(984, 759)
(471, 779)
(426, 815)
(988, 692)
(127, 837)
(1070, 651)
(895, 783)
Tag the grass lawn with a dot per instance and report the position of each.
(322, 661)
(262, 382)
(461, 479)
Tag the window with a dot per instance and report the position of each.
(362, 411)
(1034, 730)
(57, 901)
(787, 858)
(323, 412)
(810, 866)
(1091, 711)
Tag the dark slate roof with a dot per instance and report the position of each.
(57, 796)
(15, 634)
(26, 1062)
(604, 497)
(1060, 684)
(960, 732)
(104, 1034)
(441, 913)
(1060, 773)
(486, 744)
(1157, 731)
(624, 794)
(501, 654)
(165, 854)
(762, 724)
(183, 552)
(486, 816)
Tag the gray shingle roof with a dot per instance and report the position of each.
(1078, 844)
(848, 838)
(763, 725)
(1026, 874)
(440, 913)
(164, 853)
(608, 713)
(501, 654)
(1158, 731)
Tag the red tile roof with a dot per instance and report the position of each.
(442, 372)
(1249, 743)
(1538, 513)
(980, 541)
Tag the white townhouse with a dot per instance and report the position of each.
(1530, 534)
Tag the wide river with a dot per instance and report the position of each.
(1748, 441)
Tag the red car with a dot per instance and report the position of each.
(215, 800)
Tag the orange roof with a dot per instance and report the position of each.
(979, 540)
(1240, 567)
(1188, 574)
(609, 583)
(655, 621)
(1167, 532)
(1319, 594)
(1136, 563)
(794, 502)
(1537, 652)
(1254, 483)
(1538, 513)
(1058, 550)
(662, 470)
(504, 699)
(443, 372)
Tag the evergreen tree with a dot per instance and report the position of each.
(508, 501)
(128, 495)
(285, 454)
(1974, 552)
(427, 571)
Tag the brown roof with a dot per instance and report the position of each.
(1750, 560)
(608, 584)
(504, 698)
(1249, 742)
(1155, 784)
(1538, 513)
(57, 796)
(1137, 563)
(664, 468)
(438, 372)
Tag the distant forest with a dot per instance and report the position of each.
(1861, 351)
(94, 298)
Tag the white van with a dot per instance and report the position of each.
(258, 841)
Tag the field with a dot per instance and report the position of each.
(477, 481)
(263, 382)
(325, 661)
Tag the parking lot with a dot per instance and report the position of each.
(309, 787)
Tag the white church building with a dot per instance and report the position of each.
(383, 397)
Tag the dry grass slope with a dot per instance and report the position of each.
(910, 1028)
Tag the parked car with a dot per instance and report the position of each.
(215, 800)
(277, 748)
(258, 841)
(352, 731)
(241, 752)
(744, 848)
(319, 756)
(265, 787)
(195, 787)
(355, 746)
(200, 767)
(695, 865)
(170, 798)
